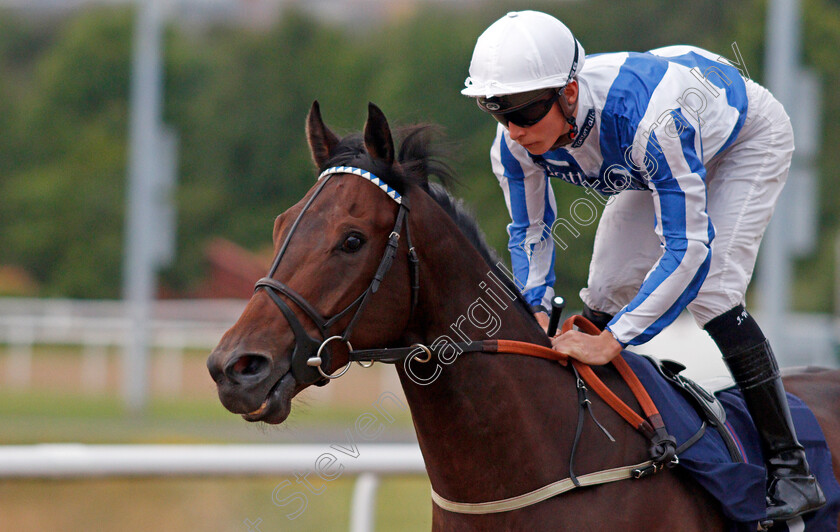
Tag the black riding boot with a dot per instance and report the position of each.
(598, 318)
(791, 488)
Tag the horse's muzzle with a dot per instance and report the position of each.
(244, 381)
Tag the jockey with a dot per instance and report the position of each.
(692, 157)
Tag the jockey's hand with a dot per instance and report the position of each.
(542, 319)
(589, 349)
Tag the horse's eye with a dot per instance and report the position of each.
(352, 243)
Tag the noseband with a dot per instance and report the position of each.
(310, 354)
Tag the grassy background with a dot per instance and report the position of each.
(55, 408)
(201, 504)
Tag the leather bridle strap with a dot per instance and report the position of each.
(384, 265)
(413, 270)
(663, 446)
(509, 347)
(307, 360)
(291, 232)
(648, 426)
(315, 316)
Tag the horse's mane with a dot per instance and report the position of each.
(417, 160)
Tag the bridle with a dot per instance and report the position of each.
(310, 355)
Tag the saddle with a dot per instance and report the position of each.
(707, 405)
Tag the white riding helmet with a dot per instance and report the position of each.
(521, 52)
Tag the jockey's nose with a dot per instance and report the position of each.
(516, 132)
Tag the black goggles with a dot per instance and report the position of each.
(507, 110)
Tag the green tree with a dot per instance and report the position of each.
(238, 99)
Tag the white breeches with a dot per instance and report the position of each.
(742, 183)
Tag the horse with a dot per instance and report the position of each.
(490, 425)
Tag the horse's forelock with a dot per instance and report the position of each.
(419, 158)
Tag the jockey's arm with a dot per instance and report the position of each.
(529, 199)
(676, 179)
(677, 183)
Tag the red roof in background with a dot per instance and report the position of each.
(15, 281)
(233, 270)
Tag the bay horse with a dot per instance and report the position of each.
(490, 426)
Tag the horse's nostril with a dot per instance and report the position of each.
(249, 367)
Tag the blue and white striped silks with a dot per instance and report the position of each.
(657, 118)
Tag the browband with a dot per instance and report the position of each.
(393, 194)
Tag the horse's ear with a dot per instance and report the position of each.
(321, 140)
(378, 140)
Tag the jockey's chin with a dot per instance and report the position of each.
(537, 148)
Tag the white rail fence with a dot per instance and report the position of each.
(65, 461)
(101, 327)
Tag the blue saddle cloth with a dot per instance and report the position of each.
(739, 487)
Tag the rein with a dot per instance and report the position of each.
(310, 354)
(652, 425)
(663, 450)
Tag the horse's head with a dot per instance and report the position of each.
(340, 261)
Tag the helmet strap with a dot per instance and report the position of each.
(569, 114)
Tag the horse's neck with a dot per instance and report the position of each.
(482, 416)
(463, 297)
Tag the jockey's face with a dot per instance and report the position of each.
(540, 137)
